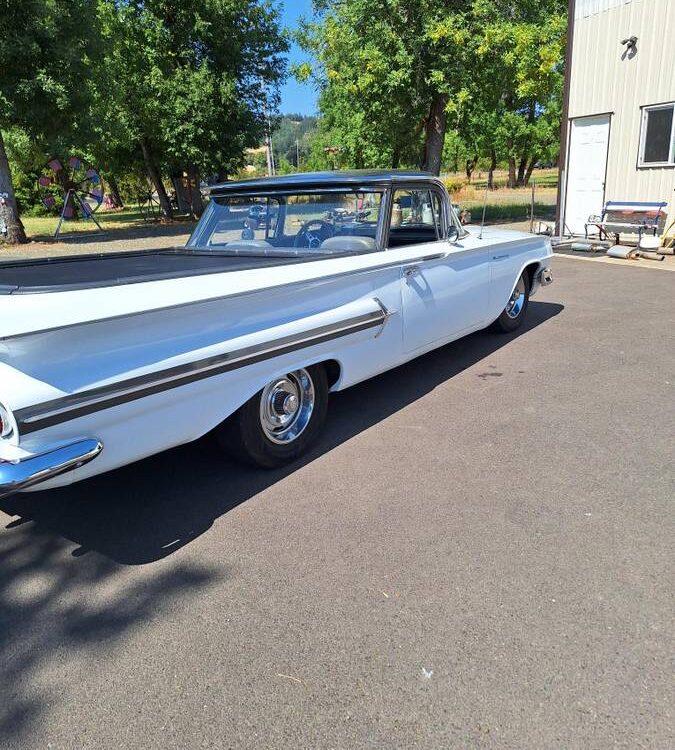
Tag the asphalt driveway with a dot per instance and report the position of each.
(478, 555)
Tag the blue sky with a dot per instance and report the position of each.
(296, 97)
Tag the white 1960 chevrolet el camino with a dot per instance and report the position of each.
(288, 288)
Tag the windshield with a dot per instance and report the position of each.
(290, 224)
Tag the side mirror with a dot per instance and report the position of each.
(453, 233)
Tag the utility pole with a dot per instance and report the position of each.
(270, 149)
(268, 154)
(271, 168)
(297, 155)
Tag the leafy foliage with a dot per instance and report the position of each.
(292, 138)
(149, 86)
(193, 81)
(44, 57)
(395, 74)
(512, 112)
(380, 66)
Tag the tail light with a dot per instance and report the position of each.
(6, 428)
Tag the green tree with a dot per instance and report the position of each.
(192, 83)
(395, 75)
(26, 158)
(512, 112)
(292, 138)
(386, 70)
(45, 54)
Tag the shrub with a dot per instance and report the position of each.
(454, 184)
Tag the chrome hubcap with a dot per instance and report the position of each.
(286, 406)
(517, 301)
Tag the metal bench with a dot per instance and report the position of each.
(628, 217)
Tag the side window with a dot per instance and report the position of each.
(416, 217)
(262, 217)
(657, 145)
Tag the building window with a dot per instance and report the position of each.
(657, 142)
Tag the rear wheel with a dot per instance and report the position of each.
(514, 312)
(281, 421)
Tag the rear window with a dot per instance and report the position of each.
(297, 223)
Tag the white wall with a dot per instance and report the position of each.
(585, 8)
(601, 81)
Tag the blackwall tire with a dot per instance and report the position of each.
(281, 422)
(513, 314)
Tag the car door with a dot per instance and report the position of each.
(445, 284)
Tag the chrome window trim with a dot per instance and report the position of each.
(642, 143)
(432, 185)
(286, 192)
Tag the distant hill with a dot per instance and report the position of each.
(288, 129)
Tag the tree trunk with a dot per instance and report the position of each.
(512, 173)
(196, 204)
(470, 166)
(181, 193)
(9, 211)
(115, 192)
(396, 158)
(435, 134)
(153, 174)
(530, 168)
(455, 159)
(491, 170)
(522, 164)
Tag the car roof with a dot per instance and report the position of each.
(359, 178)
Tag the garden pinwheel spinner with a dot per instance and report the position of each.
(72, 189)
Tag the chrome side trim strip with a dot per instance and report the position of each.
(38, 417)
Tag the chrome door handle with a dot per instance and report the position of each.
(411, 271)
(500, 257)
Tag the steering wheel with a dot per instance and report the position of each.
(313, 232)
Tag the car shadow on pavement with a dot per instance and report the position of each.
(145, 511)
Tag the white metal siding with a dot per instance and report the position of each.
(585, 8)
(603, 82)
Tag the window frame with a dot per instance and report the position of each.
(279, 194)
(411, 186)
(644, 118)
(283, 206)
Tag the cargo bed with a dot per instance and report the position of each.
(114, 269)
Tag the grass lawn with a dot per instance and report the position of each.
(43, 227)
(503, 205)
(511, 204)
(544, 178)
(509, 212)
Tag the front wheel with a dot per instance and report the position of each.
(279, 423)
(514, 312)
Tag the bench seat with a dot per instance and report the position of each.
(628, 217)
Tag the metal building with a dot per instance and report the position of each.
(619, 134)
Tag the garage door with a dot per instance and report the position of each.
(586, 170)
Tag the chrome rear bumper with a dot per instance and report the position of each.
(39, 467)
